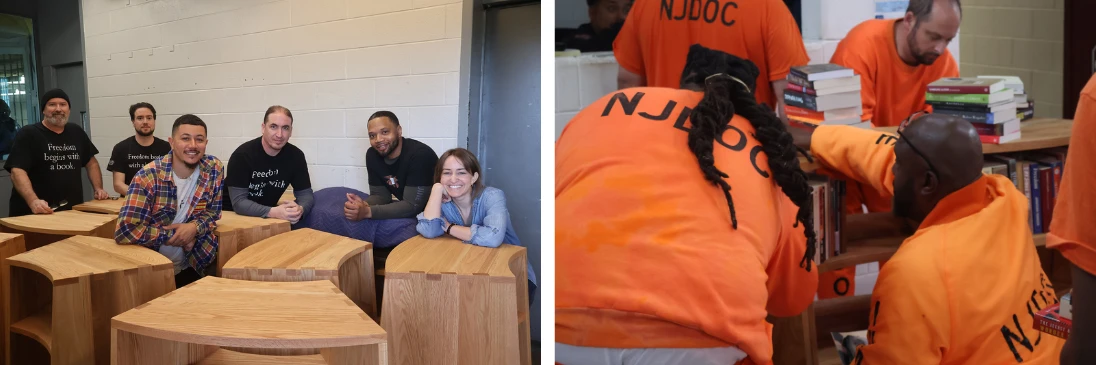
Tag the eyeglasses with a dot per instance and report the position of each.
(903, 126)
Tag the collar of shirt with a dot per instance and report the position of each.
(959, 204)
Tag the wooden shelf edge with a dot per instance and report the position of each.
(38, 326)
(227, 357)
(878, 249)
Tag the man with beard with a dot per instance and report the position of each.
(965, 287)
(45, 162)
(606, 19)
(397, 166)
(898, 58)
(260, 170)
(652, 45)
(133, 153)
(173, 203)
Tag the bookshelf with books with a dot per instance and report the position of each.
(874, 237)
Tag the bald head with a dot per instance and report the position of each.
(937, 155)
(952, 144)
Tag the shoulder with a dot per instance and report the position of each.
(74, 130)
(246, 148)
(919, 260)
(213, 163)
(491, 192)
(419, 149)
(293, 150)
(157, 142)
(151, 172)
(869, 30)
(1090, 89)
(125, 143)
(28, 130)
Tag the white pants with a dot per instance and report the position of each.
(576, 355)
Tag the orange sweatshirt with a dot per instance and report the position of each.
(656, 37)
(890, 90)
(1072, 231)
(964, 288)
(645, 253)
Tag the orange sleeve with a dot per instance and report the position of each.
(783, 43)
(626, 46)
(862, 155)
(1072, 232)
(849, 56)
(910, 321)
(791, 288)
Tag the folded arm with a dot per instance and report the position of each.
(413, 202)
(135, 224)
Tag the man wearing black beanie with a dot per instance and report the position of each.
(45, 162)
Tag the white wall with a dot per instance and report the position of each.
(571, 13)
(332, 62)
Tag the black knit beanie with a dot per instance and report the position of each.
(55, 93)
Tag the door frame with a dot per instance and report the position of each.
(1078, 64)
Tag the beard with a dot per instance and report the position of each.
(143, 134)
(921, 57)
(902, 202)
(56, 120)
(392, 148)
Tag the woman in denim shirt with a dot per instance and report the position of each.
(462, 207)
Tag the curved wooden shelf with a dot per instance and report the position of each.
(67, 223)
(38, 327)
(228, 357)
(307, 254)
(440, 290)
(255, 315)
(108, 206)
(237, 232)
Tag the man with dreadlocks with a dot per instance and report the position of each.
(965, 287)
(681, 222)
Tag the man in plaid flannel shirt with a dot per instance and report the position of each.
(149, 216)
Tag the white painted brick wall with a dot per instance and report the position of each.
(332, 62)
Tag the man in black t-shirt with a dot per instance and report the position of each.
(397, 166)
(45, 162)
(133, 153)
(260, 169)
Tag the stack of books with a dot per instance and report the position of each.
(984, 102)
(1025, 106)
(824, 94)
(828, 196)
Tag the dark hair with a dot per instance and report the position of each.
(278, 109)
(923, 8)
(387, 114)
(724, 96)
(471, 164)
(133, 110)
(188, 119)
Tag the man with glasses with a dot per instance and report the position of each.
(965, 286)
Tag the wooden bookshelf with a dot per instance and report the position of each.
(1035, 134)
(37, 327)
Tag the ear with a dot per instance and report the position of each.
(910, 19)
(930, 183)
(475, 177)
(591, 11)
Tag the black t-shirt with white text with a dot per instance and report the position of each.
(52, 162)
(129, 156)
(264, 176)
(414, 167)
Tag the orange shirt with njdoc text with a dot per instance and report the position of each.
(1072, 231)
(890, 90)
(965, 287)
(645, 253)
(657, 35)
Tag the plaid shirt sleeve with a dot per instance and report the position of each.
(205, 249)
(135, 225)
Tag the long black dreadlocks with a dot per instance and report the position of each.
(724, 96)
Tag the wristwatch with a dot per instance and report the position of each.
(449, 228)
